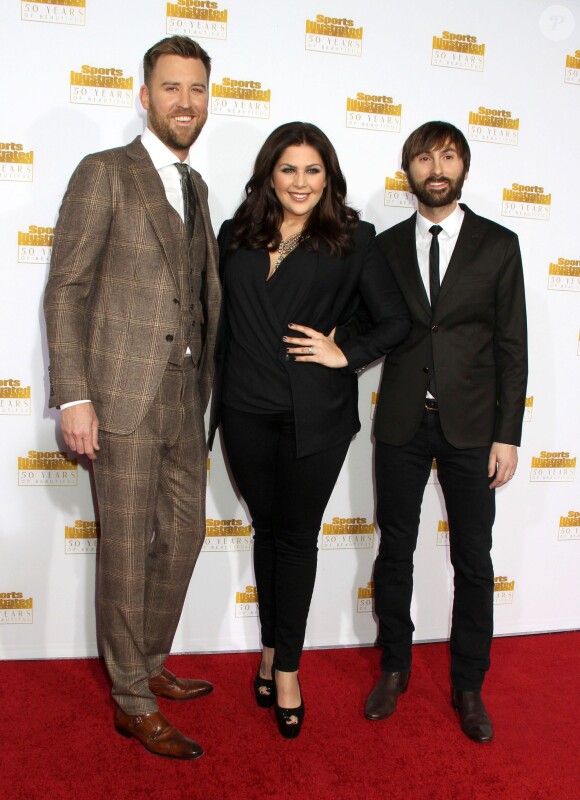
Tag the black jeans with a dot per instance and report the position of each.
(401, 475)
(286, 497)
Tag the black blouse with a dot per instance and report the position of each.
(255, 380)
(253, 370)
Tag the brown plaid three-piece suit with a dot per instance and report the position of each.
(127, 294)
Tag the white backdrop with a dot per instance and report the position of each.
(368, 73)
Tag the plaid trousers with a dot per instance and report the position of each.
(151, 496)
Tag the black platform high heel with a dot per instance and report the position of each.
(289, 728)
(265, 691)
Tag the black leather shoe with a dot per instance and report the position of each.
(382, 701)
(265, 691)
(474, 719)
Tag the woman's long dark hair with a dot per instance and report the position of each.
(257, 221)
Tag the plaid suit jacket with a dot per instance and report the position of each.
(110, 301)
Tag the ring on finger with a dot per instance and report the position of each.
(311, 350)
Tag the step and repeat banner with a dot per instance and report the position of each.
(368, 73)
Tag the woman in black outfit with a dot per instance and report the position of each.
(294, 260)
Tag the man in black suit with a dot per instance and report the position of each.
(454, 390)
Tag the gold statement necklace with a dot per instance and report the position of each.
(286, 246)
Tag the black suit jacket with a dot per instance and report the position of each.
(325, 400)
(475, 339)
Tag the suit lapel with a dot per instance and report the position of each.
(468, 241)
(153, 197)
(409, 269)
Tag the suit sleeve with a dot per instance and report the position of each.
(510, 346)
(79, 242)
(386, 307)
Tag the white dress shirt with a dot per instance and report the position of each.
(164, 162)
(447, 240)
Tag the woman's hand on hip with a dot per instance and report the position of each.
(315, 347)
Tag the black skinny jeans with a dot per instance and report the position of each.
(286, 497)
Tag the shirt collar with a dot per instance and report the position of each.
(451, 224)
(160, 154)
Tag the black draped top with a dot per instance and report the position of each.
(253, 370)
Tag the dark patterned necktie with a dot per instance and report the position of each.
(188, 198)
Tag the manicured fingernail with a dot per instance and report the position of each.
(290, 324)
(284, 338)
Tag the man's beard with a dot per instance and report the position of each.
(174, 139)
(435, 198)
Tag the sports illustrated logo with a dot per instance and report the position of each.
(81, 538)
(493, 125)
(14, 398)
(572, 73)
(433, 477)
(365, 598)
(529, 409)
(101, 86)
(569, 528)
(247, 603)
(373, 112)
(47, 469)
(526, 202)
(347, 533)
(503, 591)
(200, 19)
(15, 609)
(235, 98)
(443, 533)
(458, 51)
(398, 192)
(333, 35)
(15, 163)
(374, 401)
(35, 247)
(560, 467)
(564, 275)
(226, 536)
(62, 12)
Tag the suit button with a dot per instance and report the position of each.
(176, 301)
(426, 369)
(169, 338)
(435, 328)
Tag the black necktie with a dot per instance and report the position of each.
(188, 198)
(434, 282)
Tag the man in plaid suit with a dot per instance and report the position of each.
(131, 306)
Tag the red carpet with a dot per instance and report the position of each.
(58, 741)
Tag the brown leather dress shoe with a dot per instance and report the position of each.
(156, 734)
(474, 719)
(166, 684)
(382, 701)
